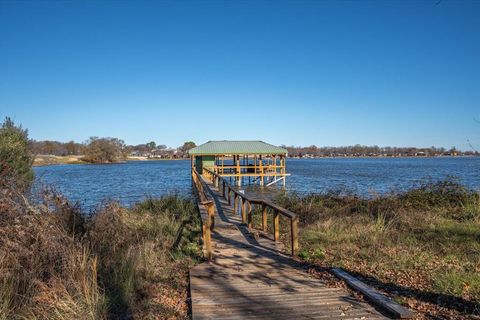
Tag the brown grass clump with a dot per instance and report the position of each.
(45, 272)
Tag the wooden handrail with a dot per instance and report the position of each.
(207, 200)
(245, 167)
(243, 200)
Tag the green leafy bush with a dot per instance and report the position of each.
(15, 157)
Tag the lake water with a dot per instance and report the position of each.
(133, 181)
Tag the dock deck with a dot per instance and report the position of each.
(248, 278)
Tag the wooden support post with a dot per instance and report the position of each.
(254, 167)
(229, 196)
(250, 216)
(264, 217)
(261, 171)
(294, 235)
(211, 214)
(276, 223)
(246, 163)
(235, 203)
(239, 176)
(244, 210)
(207, 230)
(206, 239)
(223, 189)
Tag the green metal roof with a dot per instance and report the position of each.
(225, 147)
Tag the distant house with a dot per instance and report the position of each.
(138, 153)
(169, 153)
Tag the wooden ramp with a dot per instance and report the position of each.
(249, 279)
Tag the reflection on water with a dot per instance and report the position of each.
(132, 181)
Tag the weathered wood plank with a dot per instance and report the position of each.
(374, 295)
(298, 299)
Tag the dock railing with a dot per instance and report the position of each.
(208, 220)
(246, 208)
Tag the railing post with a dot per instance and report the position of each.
(244, 210)
(229, 195)
(276, 222)
(250, 216)
(211, 215)
(264, 217)
(207, 232)
(200, 186)
(204, 237)
(223, 189)
(235, 203)
(294, 235)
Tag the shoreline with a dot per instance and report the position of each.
(402, 157)
(52, 160)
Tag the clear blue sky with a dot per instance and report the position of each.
(403, 73)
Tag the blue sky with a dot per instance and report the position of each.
(403, 73)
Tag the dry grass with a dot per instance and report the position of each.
(45, 271)
(145, 255)
(119, 263)
(423, 246)
(45, 160)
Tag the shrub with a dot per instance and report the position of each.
(104, 150)
(15, 157)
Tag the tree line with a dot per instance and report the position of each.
(373, 151)
(57, 148)
(108, 150)
(105, 150)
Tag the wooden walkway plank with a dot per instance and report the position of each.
(249, 278)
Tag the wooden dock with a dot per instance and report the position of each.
(248, 278)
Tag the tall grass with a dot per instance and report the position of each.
(56, 263)
(421, 243)
(149, 247)
(45, 270)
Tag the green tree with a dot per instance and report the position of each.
(187, 146)
(151, 145)
(15, 157)
(161, 147)
(104, 150)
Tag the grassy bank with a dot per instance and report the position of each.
(46, 160)
(120, 263)
(422, 247)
